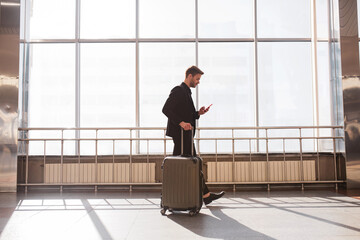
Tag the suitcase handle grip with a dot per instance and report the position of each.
(192, 141)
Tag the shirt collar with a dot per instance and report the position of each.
(186, 87)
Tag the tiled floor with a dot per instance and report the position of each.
(122, 215)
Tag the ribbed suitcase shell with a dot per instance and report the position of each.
(182, 185)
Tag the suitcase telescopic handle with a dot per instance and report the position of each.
(192, 141)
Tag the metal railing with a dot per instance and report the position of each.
(25, 141)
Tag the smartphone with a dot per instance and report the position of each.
(207, 109)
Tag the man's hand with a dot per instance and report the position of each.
(204, 110)
(186, 126)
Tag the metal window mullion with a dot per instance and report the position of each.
(256, 82)
(26, 73)
(329, 61)
(284, 39)
(314, 69)
(197, 64)
(25, 88)
(77, 73)
(27, 21)
(166, 40)
(333, 52)
(137, 80)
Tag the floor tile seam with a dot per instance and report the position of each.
(132, 225)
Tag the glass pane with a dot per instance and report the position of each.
(225, 18)
(51, 91)
(228, 84)
(114, 19)
(285, 84)
(283, 19)
(165, 19)
(162, 67)
(107, 90)
(322, 19)
(324, 83)
(107, 85)
(53, 19)
(324, 92)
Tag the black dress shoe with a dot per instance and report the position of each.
(213, 196)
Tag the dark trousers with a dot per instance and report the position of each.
(187, 152)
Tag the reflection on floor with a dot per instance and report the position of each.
(309, 214)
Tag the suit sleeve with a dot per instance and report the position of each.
(196, 115)
(170, 105)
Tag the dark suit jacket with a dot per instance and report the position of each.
(179, 107)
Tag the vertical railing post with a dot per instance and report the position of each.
(27, 166)
(44, 162)
(96, 160)
(233, 164)
(250, 163)
(130, 163)
(164, 143)
(334, 150)
(318, 158)
(147, 162)
(216, 161)
(113, 162)
(79, 155)
(284, 167)
(301, 162)
(62, 161)
(267, 159)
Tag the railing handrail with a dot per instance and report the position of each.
(168, 138)
(199, 128)
(316, 136)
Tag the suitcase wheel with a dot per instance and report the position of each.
(163, 211)
(192, 213)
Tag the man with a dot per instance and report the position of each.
(181, 113)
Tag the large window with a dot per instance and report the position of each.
(51, 93)
(113, 64)
(53, 19)
(228, 84)
(283, 19)
(107, 83)
(218, 20)
(167, 19)
(107, 19)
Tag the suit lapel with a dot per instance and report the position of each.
(188, 98)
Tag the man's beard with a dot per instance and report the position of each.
(192, 83)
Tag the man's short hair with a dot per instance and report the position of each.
(193, 70)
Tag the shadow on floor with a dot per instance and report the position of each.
(8, 204)
(218, 225)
